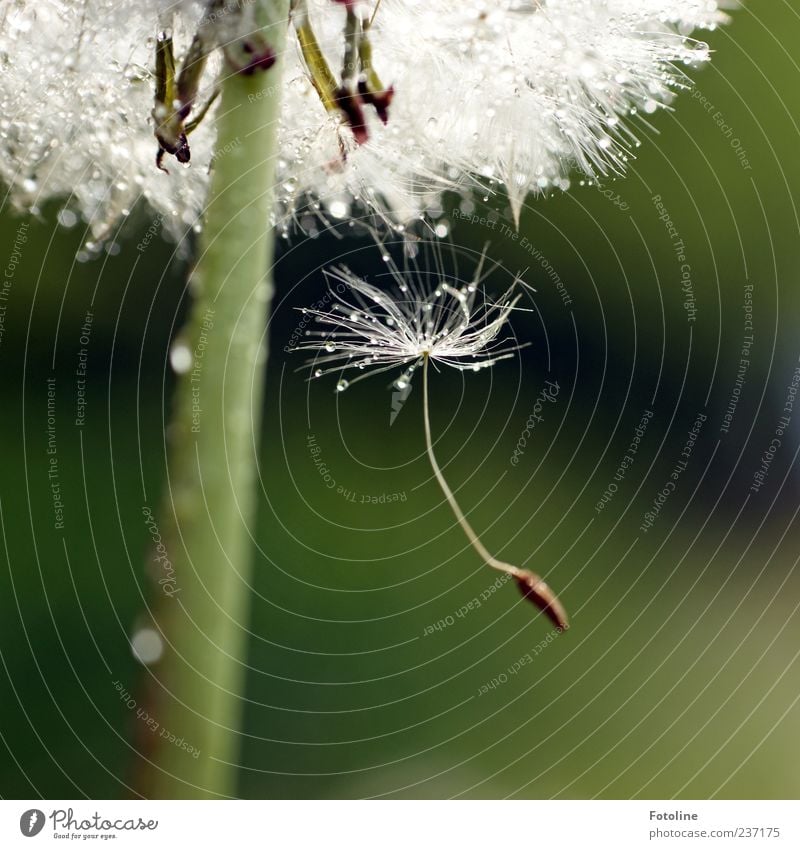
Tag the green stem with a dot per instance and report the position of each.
(194, 692)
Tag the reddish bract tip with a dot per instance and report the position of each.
(380, 100)
(537, 592)
(350, 104)
(262, 60)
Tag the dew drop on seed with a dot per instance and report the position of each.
(318, 372)
(330, 347)
(338, 209)
(342, 385)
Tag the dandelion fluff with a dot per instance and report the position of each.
(370, 330)
(509, 92)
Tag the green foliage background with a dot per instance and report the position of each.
(679, 676)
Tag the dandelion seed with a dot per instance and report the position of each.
(455, 325)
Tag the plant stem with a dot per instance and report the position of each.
(530, 584)
(194, 692)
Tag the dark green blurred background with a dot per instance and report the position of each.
(679, 676)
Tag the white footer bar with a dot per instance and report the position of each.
(402, 824)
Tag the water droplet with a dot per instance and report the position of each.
(147, 645)
(342, 385)
(67, 218)
(330, 347)
(180, 358)
(338, 209)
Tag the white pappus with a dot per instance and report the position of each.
(486, 94)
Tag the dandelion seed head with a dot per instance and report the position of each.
(509, 94)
